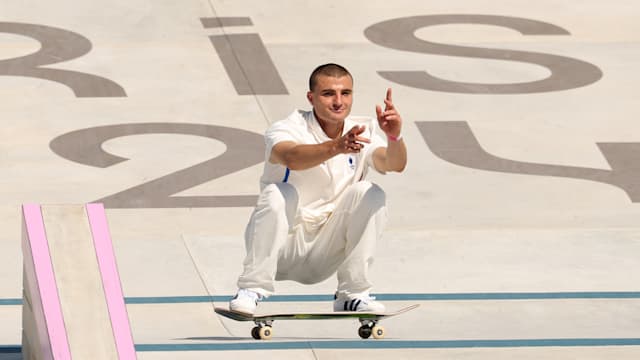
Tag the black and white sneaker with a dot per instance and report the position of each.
(357, 302)
(245, 301)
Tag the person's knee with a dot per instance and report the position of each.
(369, 192)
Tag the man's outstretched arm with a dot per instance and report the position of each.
(304, 156)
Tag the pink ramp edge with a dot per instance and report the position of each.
(46, 282)
(111, 282)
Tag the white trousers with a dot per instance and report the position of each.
(278, 248)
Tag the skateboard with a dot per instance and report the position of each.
(264, 323)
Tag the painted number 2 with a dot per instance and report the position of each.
(244, 149)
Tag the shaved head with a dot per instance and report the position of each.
(332, 70)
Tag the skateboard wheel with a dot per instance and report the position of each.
(265, 332)
(378, 332)
(364, 331)
(255, 333)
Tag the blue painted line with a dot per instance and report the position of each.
(372, 344)
(383, 297)
(10, 349)
(389, 344)
(10, 301)
(510, 296)
(400, 297)
(175, 299)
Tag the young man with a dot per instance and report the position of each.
(316, 215)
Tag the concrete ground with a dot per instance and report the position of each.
(515, 225)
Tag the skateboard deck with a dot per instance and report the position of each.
(263, 330)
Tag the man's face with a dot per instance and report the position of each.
(331, 98)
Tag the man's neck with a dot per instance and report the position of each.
(332, 130)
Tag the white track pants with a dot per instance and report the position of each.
(279, 249)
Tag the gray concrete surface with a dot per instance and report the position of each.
(523, 244)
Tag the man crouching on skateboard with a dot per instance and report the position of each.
(316, 215)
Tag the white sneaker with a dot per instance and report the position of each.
(245, 301)
(358, 302)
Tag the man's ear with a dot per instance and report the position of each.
(310, 97)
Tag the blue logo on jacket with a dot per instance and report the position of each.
(352, 162)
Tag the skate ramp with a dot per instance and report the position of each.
(73, 305)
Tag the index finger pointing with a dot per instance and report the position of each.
(357, 129)
(389, 95)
